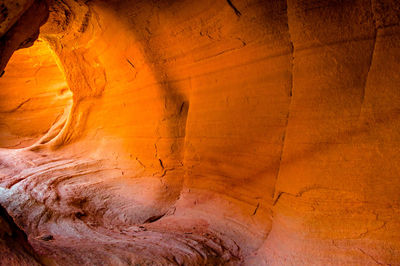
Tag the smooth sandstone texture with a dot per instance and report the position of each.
(45, 102)
(204, 133)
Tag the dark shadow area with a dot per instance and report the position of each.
(14, 246)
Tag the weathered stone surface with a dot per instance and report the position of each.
(20, 26)
(10, 12)
(207, 133)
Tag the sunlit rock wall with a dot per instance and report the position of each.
(207, 132)
(25, 116)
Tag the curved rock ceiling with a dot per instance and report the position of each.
(200, 132)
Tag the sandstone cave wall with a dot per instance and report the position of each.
(255, 132)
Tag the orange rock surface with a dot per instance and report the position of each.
(201, 132)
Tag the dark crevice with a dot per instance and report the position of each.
(3, 13)
(14, 238)
(181, 109)
(237, 12)
(129, 62)
(47, 237)
(85, 22)
(153, 219)
(255, 211)
(277, 198)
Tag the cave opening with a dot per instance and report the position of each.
(34, 97)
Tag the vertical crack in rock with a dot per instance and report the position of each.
(237, 12)
(181, 109)
(371, 57)
(130, 63)
(256, 209)
(161, 163)
(290, 94)
(277, 197)
(133, 67)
